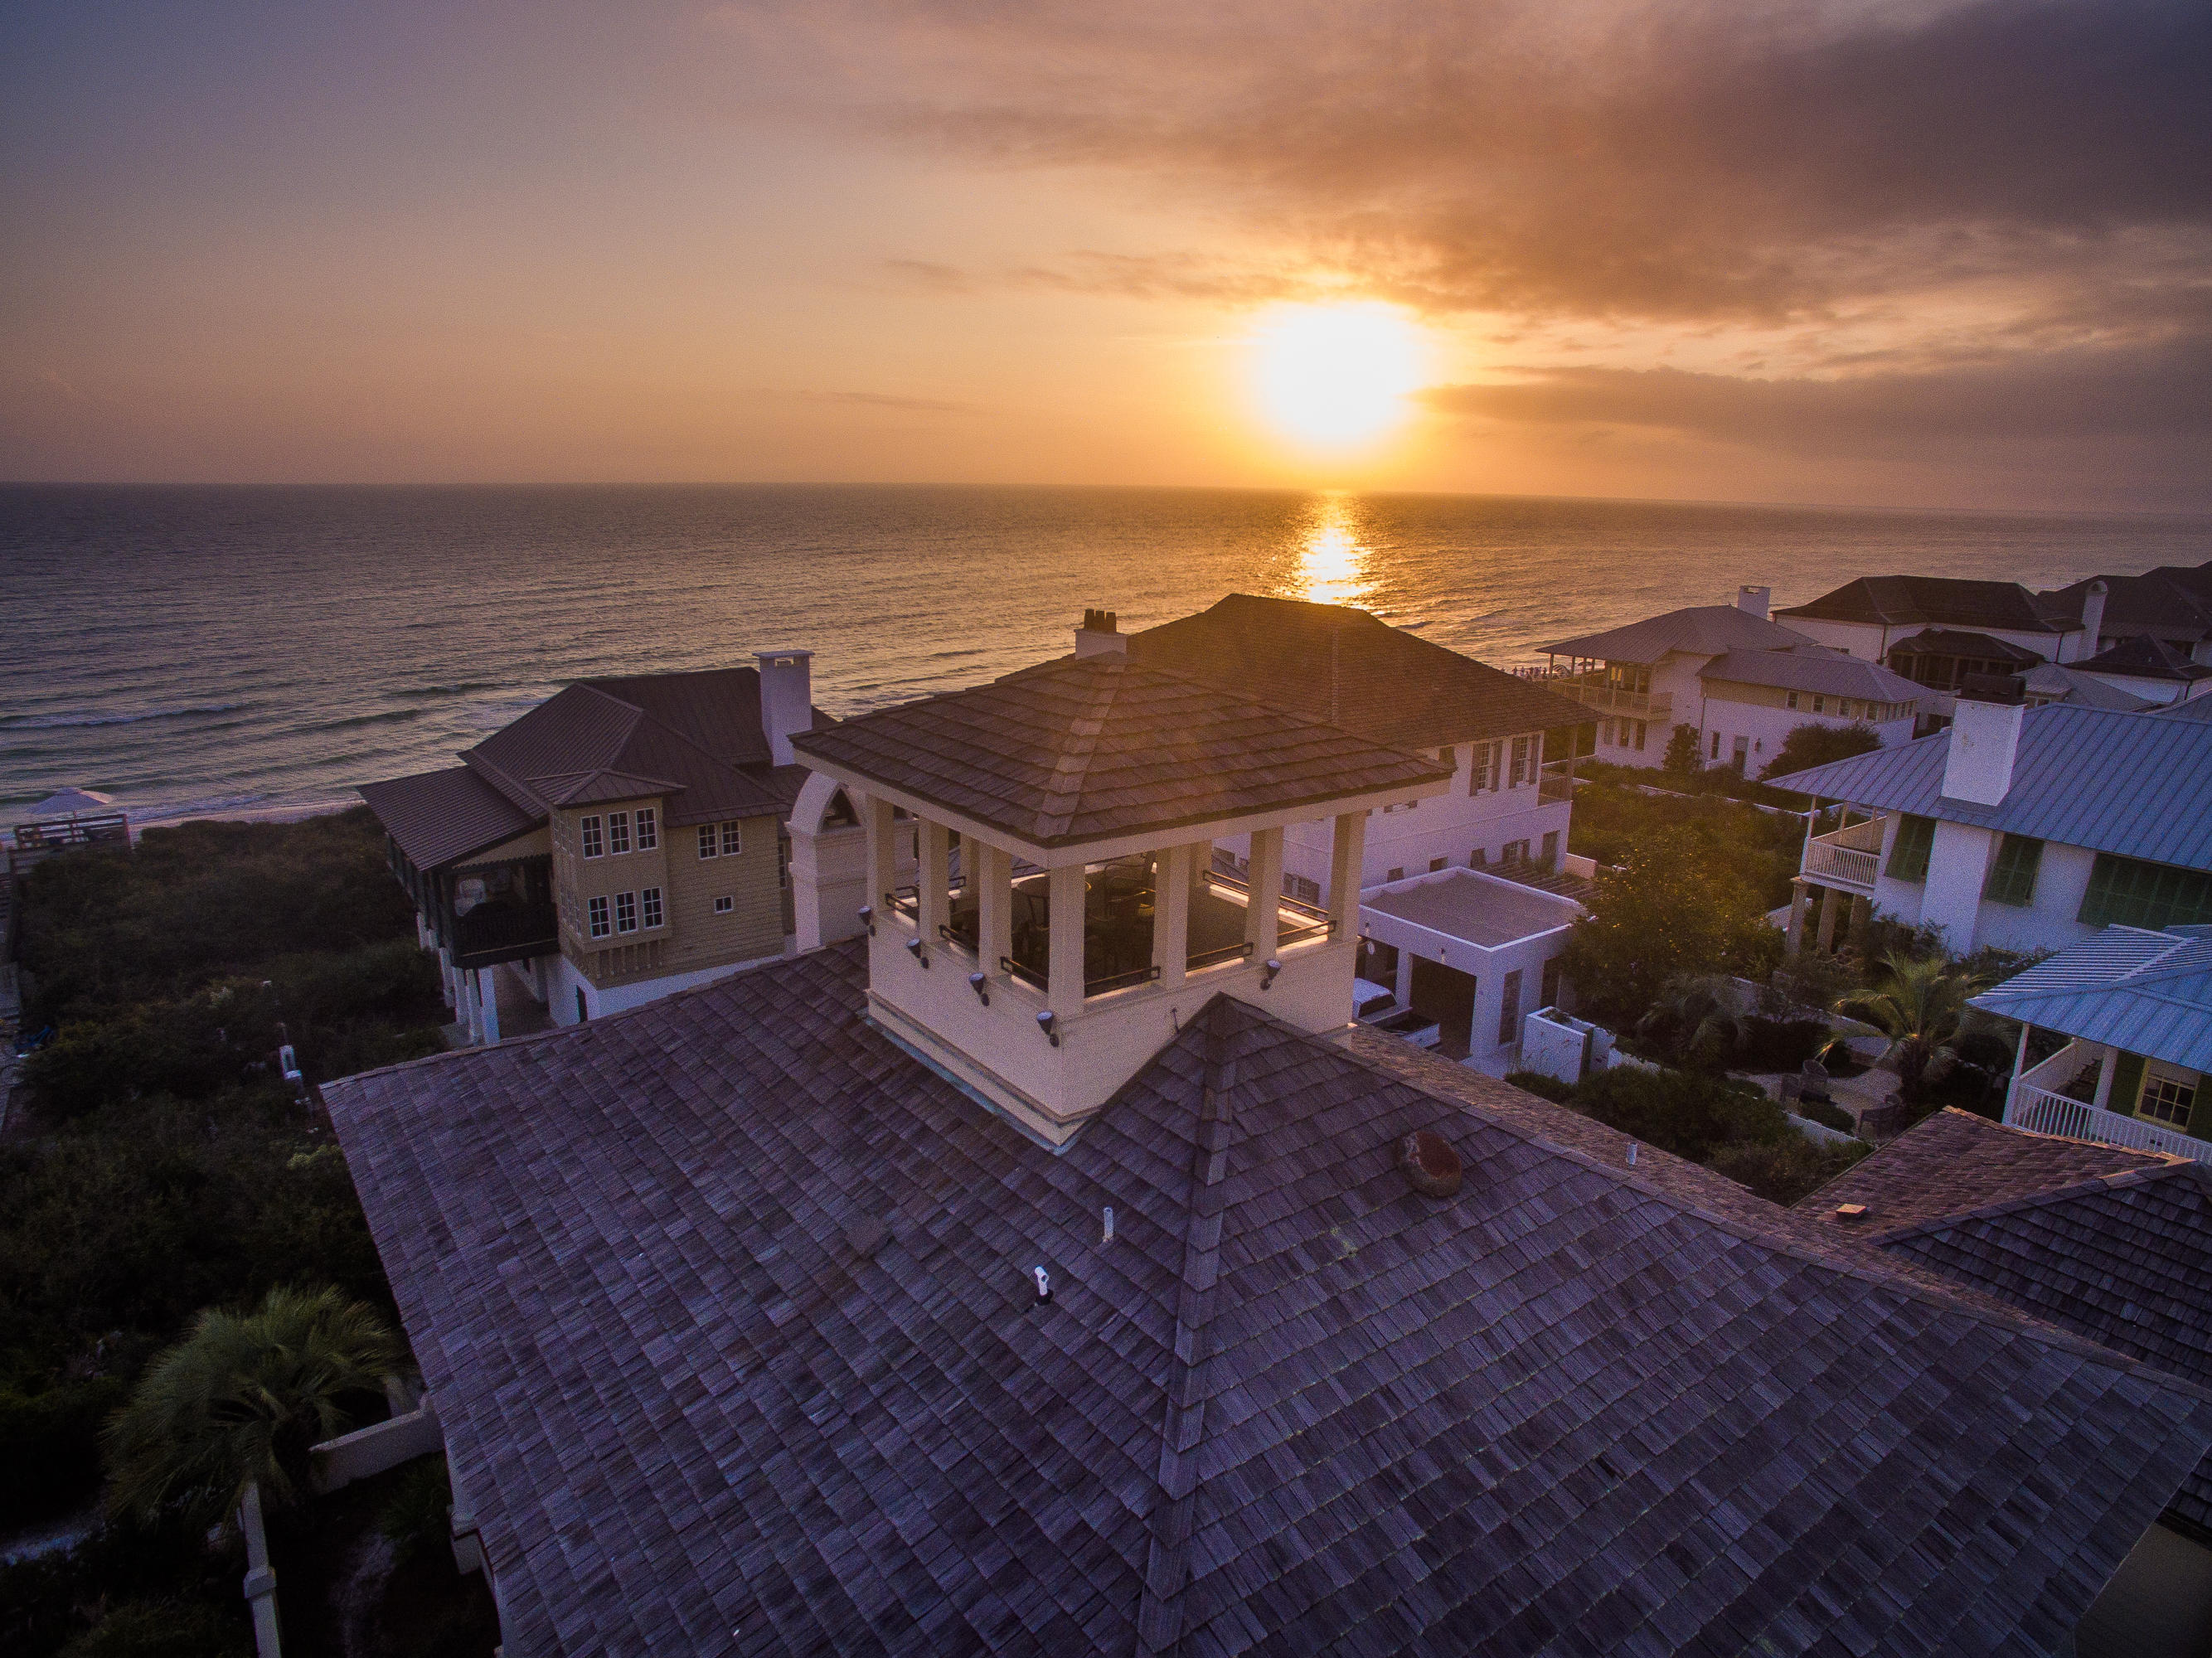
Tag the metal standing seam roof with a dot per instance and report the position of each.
(1812, 668)
(1336, 663)
(1094, 748)
(726, 1305)
(2143, 992)
(2195, 707)
(2135, 785)
(2060, 682)
(1698, 629)
(439, 816)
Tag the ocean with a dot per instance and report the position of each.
(242, 651)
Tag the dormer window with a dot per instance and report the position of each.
(594, 841)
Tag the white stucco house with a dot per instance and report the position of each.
(2027, 829)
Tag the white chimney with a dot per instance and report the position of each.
(2093, 621)
(1754, 599)
(1099, 635)
(1984, 737)
(787, 699)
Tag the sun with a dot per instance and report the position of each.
(1336, 375)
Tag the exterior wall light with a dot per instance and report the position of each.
(1048, 1022)
(868, 918)
(913, 948)
(977, 983)
(1268, 971)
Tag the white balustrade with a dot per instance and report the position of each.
(2042, 1112)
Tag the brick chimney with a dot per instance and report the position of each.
(1984, 739)
(787, 699)
(1756, 600)
(1100, 636)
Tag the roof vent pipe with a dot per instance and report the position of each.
(1754, 600)
(1101, 635)
(1984, 740)
(786, 700)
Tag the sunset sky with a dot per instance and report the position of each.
(1920, 253)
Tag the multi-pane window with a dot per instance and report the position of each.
(1908, 856)
(1820, 704)
(722, 906)
(2168, 1100)
(707, 843)
(625, 912)
(1793, 699)
(651, 899)
(617, 831)
(2012, 873)
(1523, 770)
(2138, 893)
(733, 840)
(648, 829)
(597, 910)
(1642, 730)
(595, 844)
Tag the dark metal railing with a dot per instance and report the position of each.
(1215, 957)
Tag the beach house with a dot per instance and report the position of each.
(1739, 680)
(622, 840)
(2172, 604)
(1037, 1275)
(2028, 829)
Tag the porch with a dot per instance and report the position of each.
(2070, 1095)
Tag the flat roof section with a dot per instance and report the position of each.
(1465, 903)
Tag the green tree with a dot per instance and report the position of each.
(1669, 910)
(1812, 744)
(242, 1399)
(1682, 757)
(1918, 1004)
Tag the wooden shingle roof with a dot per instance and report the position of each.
(726, 1305)
(1089, 749)
(1352, 668)
(2112, 1244)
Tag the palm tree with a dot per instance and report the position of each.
(1919, 1006)
(241, 1398)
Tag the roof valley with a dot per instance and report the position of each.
(1167, 1567)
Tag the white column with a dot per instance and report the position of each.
(1064, 980)
(883, 854)
(487, 1005)
(447, 981)
(1171, 883)
(1263, 919)
(1347, 854)
(1404, 984)
(930, 880)
(2108, 1061)
(993, 876)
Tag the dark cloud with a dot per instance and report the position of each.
(2132, 393)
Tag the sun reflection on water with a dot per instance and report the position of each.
(1331, 559)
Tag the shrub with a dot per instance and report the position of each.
(1786, 1170)
(50, 1445)
(1828, 1116)
(416, 1518)
(160, 1629)
(1670, 911)
(1810, 744)
(1780, 1044)
(1682, 756)
(47, 1599)
(1678, 1111)
(1544, 1087)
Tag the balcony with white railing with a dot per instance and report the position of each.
(1847, 858)
(2043, 1112)
(1606, 692)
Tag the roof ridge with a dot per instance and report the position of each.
(1182, 1424)
(1070, 776)
(2088, 1185)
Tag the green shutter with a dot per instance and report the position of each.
(2012, 874)
(1908, 855)
(2133, 893)
(2127, 1083)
